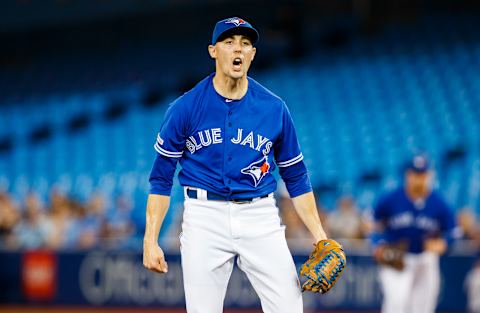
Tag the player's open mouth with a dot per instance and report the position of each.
(237, 63)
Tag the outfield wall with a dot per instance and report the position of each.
(119, 279)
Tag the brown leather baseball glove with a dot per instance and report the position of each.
(391, 255)
(324, 266)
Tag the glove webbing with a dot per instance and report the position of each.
(319, 268)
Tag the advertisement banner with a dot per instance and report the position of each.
(119, 279)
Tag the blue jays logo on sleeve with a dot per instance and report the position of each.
(168, 153)
(257, 170)
(236, 21)
(159, 139)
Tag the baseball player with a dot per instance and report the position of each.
(413, 228)
(229, 133)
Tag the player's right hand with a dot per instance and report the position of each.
(435, 245)
(154, 258)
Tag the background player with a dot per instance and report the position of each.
(416, 218)
(226, 132)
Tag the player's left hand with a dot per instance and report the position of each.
(324, 266)
(392, 255)
(435, 245)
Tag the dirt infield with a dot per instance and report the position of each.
(31, 309)
(11, 309)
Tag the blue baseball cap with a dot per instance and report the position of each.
(418, 164)
(234, 25)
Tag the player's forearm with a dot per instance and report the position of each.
(157, 207)
(307, 210)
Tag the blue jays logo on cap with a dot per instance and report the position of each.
(418, 164)
(235, 20)
(234, 25)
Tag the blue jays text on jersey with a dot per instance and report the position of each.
(229, 147)
(413, 223)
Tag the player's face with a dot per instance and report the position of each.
(233, 55)
(419, 183)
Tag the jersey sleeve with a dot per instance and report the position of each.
(380, 210)
(171, 138)
(169, 146)
(287, 148)
(161, 176)
(380, 214)
(289, 158)
(448, 225)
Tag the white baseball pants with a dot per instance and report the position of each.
(414, 289)
(214, 232)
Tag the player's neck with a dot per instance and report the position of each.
(415, 195)
(229, 87)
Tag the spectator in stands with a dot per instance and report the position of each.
(296, 230)
(472, 288)
(89, 227)
(9, 217)
(60, 216)
(34, 230)
(298, 236)
(471, 229)
(97, 208)
(119, 226)
(344, 221)
(466, 220)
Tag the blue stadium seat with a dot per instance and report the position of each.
(360, 109)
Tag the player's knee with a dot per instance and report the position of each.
(395, 303)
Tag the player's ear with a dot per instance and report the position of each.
(212, 51)
(254, 50)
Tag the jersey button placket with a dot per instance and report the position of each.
(228, 157)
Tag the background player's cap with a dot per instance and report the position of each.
(418, 164)
(234, 25)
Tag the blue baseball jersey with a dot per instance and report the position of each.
(229, 147)
(413, 223)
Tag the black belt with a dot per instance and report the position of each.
(192, 194)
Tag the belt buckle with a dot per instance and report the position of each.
(239, 201)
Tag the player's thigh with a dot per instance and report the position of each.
(426, 285)
(396, 286)
(269, 265)
(205, 288)
(207, 267)
(205, 248)
(203, 261)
